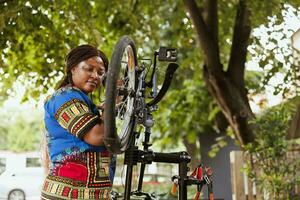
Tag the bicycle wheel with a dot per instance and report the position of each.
(120, 96)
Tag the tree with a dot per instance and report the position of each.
(20, 131)
(36, 36)
(225, 78)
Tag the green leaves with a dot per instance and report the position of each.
(36, 36)
(273, 51)
(185, 113)
(20, 132)
(273, 168)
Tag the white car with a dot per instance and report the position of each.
(22, 184)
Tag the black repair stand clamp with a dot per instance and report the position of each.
(133, 156)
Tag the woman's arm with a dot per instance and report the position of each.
(95, 135)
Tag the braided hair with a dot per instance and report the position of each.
(75, 56)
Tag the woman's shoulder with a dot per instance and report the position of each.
(65, 96)
(66, 92)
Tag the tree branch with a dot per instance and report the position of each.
(211, 19)
(209, 47)
(242, 29)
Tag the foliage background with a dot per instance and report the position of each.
(35, 36)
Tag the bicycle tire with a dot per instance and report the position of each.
(117, 136)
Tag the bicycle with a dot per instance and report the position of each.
(127, 106)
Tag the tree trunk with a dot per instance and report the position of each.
(193, 152)
(227, 87)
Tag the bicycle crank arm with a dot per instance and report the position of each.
(172, 67)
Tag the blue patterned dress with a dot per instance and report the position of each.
(78, 170)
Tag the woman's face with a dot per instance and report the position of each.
(88, 74)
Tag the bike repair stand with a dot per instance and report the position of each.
(143, 115)
(134, 156)
(146, 156)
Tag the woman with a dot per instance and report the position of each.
(80, 166)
